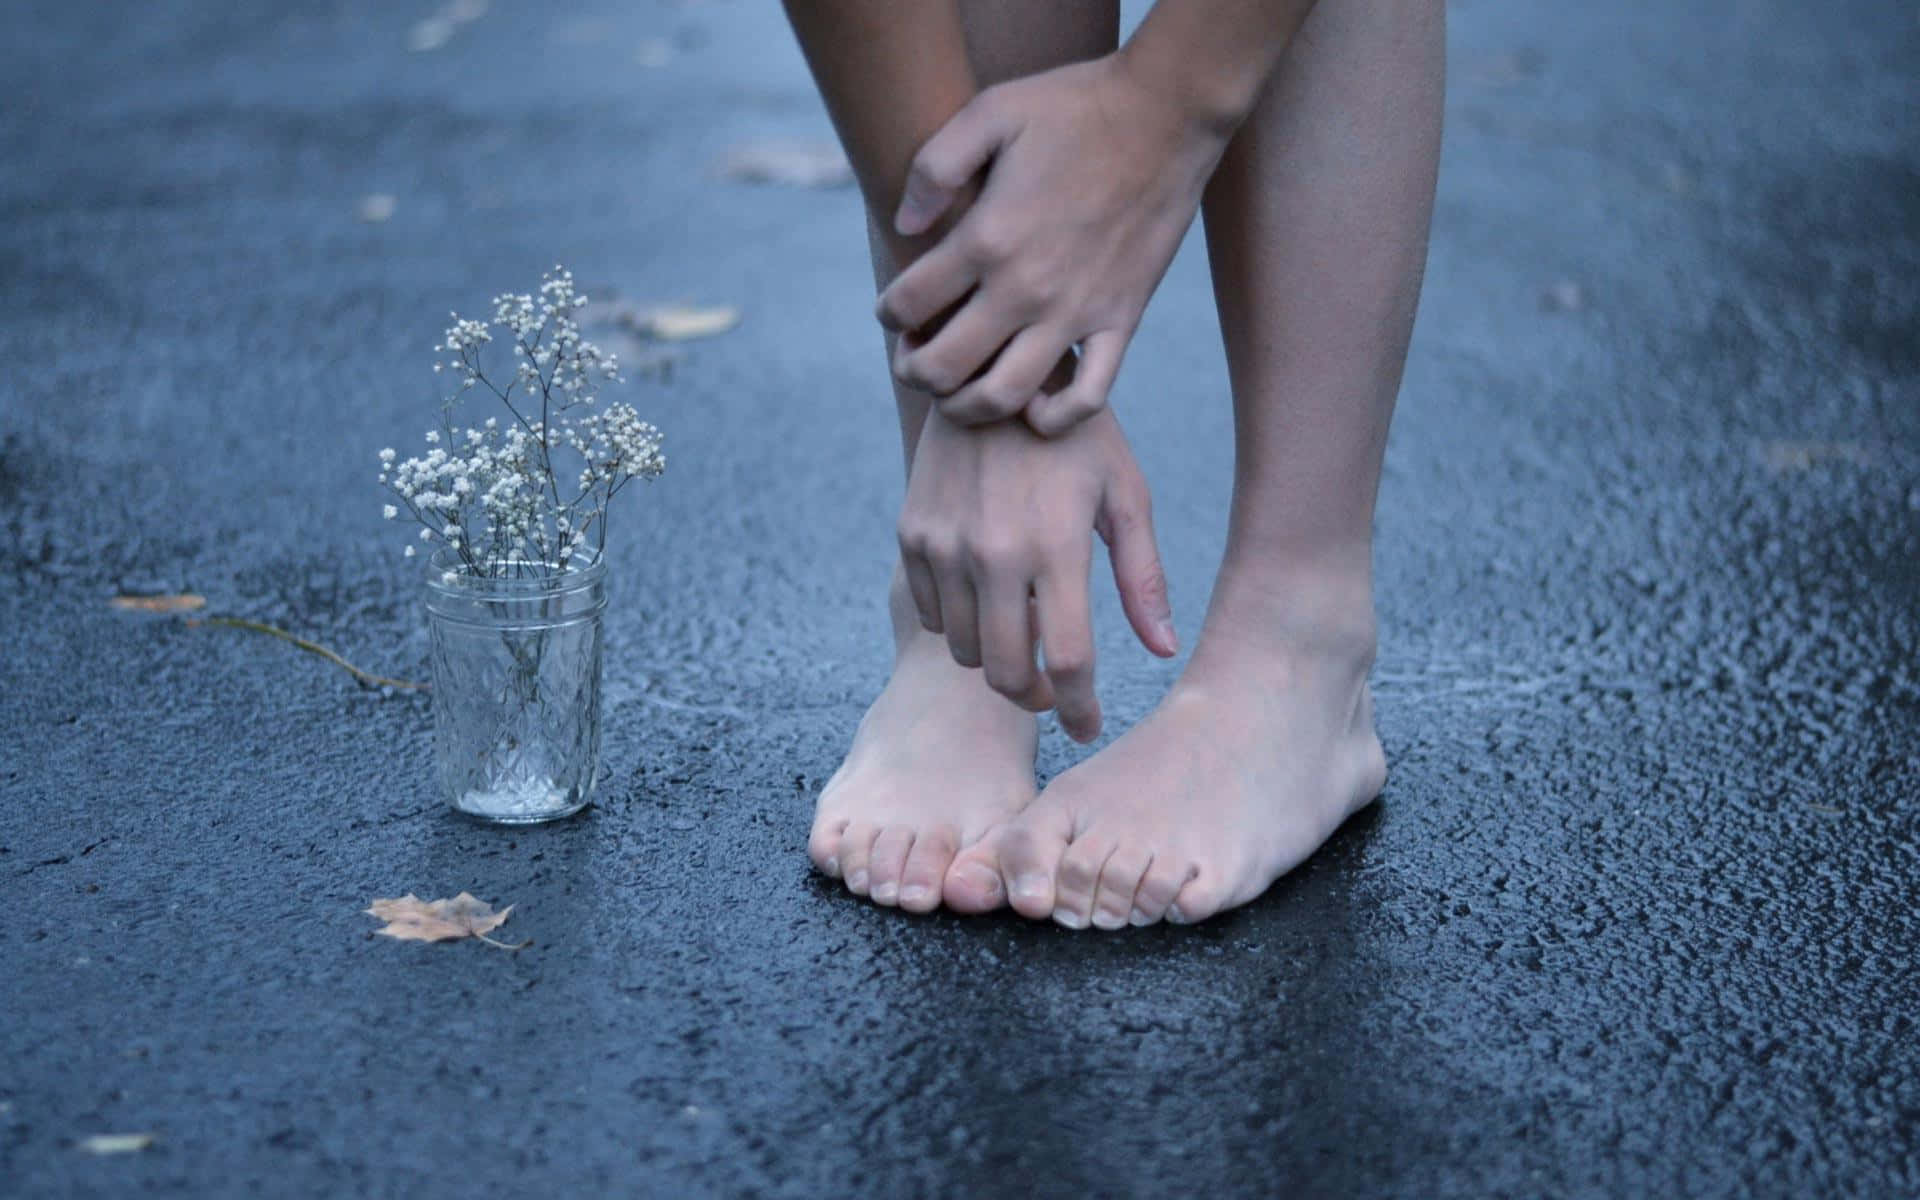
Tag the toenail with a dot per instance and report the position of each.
(914, 894)
(983, 877)
(857, 880)
(831, 866)
(1106, 920)
(1139, 918)
(1175, 916)
(1030, 887)
(1069, 918)
(885, 891)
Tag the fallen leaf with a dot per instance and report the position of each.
(678, 323)
(376, 207)
(116, 1143)
(795, 164)
(412, 919)
(181, 602)
(1784, 457)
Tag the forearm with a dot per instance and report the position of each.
(1213, 57)
(891, 73)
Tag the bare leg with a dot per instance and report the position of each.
(940, 758)
(1316, 228)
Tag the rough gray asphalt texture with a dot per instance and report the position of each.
(1637, 914)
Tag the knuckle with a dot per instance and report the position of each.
(991, 242)
(1070, 669)
(927, 374)
(995, 552)
(1077, 874)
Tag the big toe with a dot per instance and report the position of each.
(973, 882)
(1030, 851)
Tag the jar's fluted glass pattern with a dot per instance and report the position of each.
(516, 690)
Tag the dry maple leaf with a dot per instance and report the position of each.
(677, 323)
(412, 919)
(796, 164)
(116, 1143)
(185, 602)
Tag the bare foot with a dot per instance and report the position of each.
(938, 761)
(1258, 753)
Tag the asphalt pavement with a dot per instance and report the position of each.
(1636, 915)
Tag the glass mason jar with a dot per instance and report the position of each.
(516, 688)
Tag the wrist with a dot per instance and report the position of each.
(1210, 102)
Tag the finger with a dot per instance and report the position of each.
(1052, 413)
(1011, 382)
(1126, 522)
(959, 613)
(1006, 641)
(936, 281)
(1066, 640)
(949, 159)
(926, 596)
(945, 362)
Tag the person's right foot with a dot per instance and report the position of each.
(939, 759)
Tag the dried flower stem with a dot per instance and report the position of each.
(368, 678)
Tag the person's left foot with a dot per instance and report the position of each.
(1260, 751)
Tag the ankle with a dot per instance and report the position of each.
(1320, 605)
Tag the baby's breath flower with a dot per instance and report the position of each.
(495, 493)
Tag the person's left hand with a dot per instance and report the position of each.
(1093, 179)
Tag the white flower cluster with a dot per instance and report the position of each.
(492, 494)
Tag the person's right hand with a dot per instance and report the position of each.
(997, 540)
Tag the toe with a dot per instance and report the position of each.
(856, 855)
(973, 882)
(1030, 851)
(1197, 901)
(823, 844)
(1119, 880)
(890, 852)
(1164, 878)
(926, 868)
(1078, 878)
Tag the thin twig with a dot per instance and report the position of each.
(366, 677)
(504, 945)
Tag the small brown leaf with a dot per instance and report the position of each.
(376, 207)
(1787, 457)
(679, 323)
(795, 164)
(183, 602)
(409, 918)
(116, 1143)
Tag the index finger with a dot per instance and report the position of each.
(1066, 645)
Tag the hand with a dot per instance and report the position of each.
(1095, 177)
(997, 540)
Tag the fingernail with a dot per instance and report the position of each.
(1136, 917)
(1069, 918)
(1030, 887)
(1169, 634)
(914, 894)
(857, 881)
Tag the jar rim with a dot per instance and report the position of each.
(447, 575)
